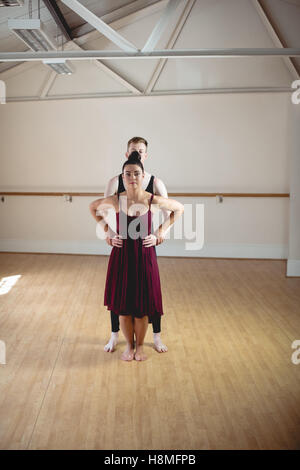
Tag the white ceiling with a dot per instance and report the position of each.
(210, 24)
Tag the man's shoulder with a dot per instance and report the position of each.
(112, 186)
(157, 180)
(115, 178)
(159, 187)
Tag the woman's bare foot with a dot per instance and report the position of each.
(128, 354)
(139, 354)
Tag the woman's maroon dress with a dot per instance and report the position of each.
(132, 280)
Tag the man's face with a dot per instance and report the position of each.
(139, 147)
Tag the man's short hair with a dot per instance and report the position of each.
(137, 140)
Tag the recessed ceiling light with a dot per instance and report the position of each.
(32, 32)
(11, 3)
(60, 66)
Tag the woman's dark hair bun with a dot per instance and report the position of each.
(134, 157)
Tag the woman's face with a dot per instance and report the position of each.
(133, 176)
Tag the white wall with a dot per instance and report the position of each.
(293, 264)
(198, 143)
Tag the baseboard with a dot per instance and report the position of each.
(176, 248)
(293, 268)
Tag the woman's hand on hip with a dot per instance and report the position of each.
(151, 240)
(116, 241)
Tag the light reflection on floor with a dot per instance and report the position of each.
(7, 283)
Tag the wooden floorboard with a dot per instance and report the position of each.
(227, 381)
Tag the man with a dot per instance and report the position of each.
(153, 185)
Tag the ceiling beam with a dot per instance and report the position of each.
(275, 37)
(59, 19)
(161, 25)
(98, 24)
(116, 76)
(120, 17)
(157, 54)
(176, 32)
(48, 84)
(16, 70)
(156, 93)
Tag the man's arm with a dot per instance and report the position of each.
(160, 189)
(99, 210)
(111, 187)
(110, 190)
(176, 210)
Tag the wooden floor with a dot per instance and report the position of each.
(227, 381)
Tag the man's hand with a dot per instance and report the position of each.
(160, 239)
(108, 241)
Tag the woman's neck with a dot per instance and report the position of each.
(135, 193)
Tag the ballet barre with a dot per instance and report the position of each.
(170, 194)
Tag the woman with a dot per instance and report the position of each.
(132, 288)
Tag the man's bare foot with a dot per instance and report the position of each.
(139, 354)
(128, 354)
(112, 343)
(158, 344)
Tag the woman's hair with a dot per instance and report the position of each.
(134, 159)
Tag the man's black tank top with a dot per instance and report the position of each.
(149, 188)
